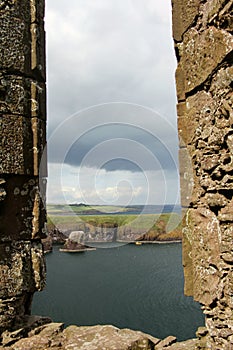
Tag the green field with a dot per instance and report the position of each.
(150, 226)
(82, 208)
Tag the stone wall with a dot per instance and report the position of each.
(23, 137)
(202, 31)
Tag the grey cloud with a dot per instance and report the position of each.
(108, 51)
(149, 144)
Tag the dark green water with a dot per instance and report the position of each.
(138, 287)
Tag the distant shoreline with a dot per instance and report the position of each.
(76, 250)
(154, 242)
(138, 242)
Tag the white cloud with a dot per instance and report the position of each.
(102, 51)
(68, 185)
(108, 51)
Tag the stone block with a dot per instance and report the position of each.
(186, 176)
(187, 130)
(206, 235)
(211, 10)
(22, 145)
(202, 53)
(228, 290)
(187, 239)
(180, 83)
(22, 96)
(221, 83)
(38, 49)
(12, 308)
(37, 10)
(22, 212)
(227, 237)
(22, 46)
(215, 200)
(226, 213)
(14, 43)
(202, 108)
(22, 268)
(183, 15)
(30, 11)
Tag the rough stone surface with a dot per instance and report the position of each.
(53, 336)
(22, 38)
(22, 143)
(21, 96)
(204, 80)
(23, 202)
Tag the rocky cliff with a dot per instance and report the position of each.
(203, 39)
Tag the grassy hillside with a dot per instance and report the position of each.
(144, 227)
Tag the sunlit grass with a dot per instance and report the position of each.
(152, 226)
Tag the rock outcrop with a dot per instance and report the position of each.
(54, 336)
(54, 236)
(75, 242)
(202, 33)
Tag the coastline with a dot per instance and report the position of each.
(76, 250)
(151, 242)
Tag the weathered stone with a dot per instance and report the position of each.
(22, 268)
(226, 213)
(14, 42)
(22, 144)
(228, 257)
(230, 143)
(28, 325)
(210, 161)
(107, 337)
(206, 238)
(191, 344)
(165, 343)
(180, 84)
(187, 241)
(186, 176)
(187, 129)
(53, 336)
(29, 12)
(211, 10)
(96, 337)
(204, 81)
(226, 17)
(22, 96)
(24, 203)
(184, 13)
(203, 52)
(215, 200)
(220, 84)
(2, 190)
(12, 309)
(227, 237)
(19, 43)
(38, 49)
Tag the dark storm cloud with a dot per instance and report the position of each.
(118, 152)
(116, 137)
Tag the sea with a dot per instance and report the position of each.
(129, 286)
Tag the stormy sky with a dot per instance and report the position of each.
(111, 102)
